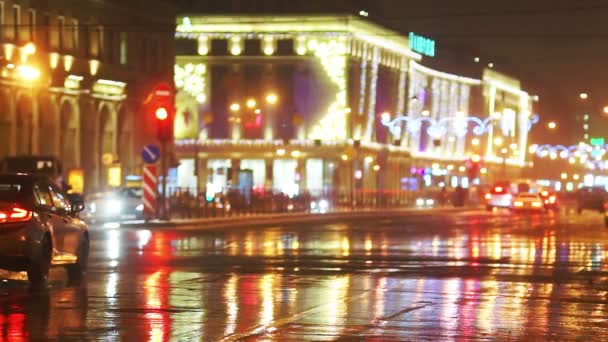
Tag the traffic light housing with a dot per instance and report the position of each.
(162, 111)
(164, 123)
(474, 165)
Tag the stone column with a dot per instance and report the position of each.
(301, 171)
(35, 123)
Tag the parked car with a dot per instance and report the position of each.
(40, 228)
(528, 201)
(591, 198)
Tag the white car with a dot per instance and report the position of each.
(528, 201)
(121, 204)
(499, 197)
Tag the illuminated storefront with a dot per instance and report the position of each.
(302, 103)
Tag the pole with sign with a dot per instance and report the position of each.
(150, 181)
(150, 155)
(161, 100)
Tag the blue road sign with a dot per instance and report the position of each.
(150, 154)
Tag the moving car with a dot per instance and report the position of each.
(591, 198)
(550, 200)
(499, 197)
(40, 228)
(528, 201)
(121, 204)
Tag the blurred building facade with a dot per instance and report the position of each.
(73, 79)
(333, 104)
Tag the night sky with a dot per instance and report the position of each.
(558, 48)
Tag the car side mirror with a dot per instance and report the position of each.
(77, 202)
(77, 206)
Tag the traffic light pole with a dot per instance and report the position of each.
(163, 162)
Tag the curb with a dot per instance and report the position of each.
(281, 219)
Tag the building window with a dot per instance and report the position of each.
(1, 19)
(123, 48)
(96, 42)
(31, 21)
(74, 34)
(109, 46)
(16, 21)
(60, 33)
(48, 32)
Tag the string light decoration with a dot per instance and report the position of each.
(461, 125)
(191, 78)
(332, 57)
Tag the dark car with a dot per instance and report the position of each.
(591, 198)
(40, 228)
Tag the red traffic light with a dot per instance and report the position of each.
(161, 113)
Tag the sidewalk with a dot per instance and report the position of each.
(286, 218)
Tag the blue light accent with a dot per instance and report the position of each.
(422, 44)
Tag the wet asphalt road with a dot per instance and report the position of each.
(458, 276)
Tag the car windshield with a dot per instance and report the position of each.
(10, 191)
(132, 192)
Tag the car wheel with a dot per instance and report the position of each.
(77, 270)
(489, 208)
(38, 270)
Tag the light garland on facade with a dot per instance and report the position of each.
(439, 127)
(191, 78)
(591, 157)
(371, 104)
(332, 57)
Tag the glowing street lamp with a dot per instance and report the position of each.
(552, 125)
(272, 98)
(475, 142)
(583, 96)
(498, 141)
(235, 107)
(29, 49)
(606, 110)
(28, 72)
(251, 103)
(564, 176)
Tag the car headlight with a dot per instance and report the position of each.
(93, 207)
(323, 204)
(429, 202)
(313, 205)
(113, 206)
(420, 202)
(140, 207)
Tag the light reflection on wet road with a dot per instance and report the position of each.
(436, 277)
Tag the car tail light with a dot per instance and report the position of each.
(498, 189)
(14, 215)
(518, 204)
(552, 199)
(488, 196)
(537, 204)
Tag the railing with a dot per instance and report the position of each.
(185, 203)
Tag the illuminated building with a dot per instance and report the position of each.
(73, 78)
(333, 81)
